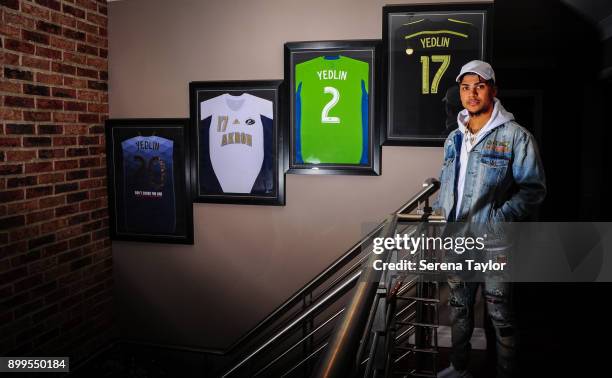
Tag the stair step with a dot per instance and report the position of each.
(420, 299)
(414, 373)
(418, 324)
(417, 349)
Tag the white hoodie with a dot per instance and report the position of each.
(498, 118)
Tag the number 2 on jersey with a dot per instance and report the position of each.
(325, 118)
(445, 60)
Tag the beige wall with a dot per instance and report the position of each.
(246, 259)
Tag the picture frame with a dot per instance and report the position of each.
(333, 107)
(237, 142)
(149, 180)
(425, 47)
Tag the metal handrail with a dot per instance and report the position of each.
(429, 187)
(299, 342)
(297, 321)
(354, 267)
(308, 288)
(341, 350)
(307, 358)
(345, 341)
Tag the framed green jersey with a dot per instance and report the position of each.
(333, 105)
(425, 48)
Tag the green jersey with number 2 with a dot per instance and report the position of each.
(331, 111)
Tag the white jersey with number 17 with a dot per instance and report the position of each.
(236, 135)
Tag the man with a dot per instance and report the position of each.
(492, 172)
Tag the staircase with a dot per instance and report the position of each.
(351, 319)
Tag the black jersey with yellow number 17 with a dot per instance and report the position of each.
(427, 57)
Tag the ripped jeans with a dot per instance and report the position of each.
(497, 295)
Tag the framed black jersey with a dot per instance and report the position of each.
(149, 186)
(333, 107)
(236, 142)
(425, 48)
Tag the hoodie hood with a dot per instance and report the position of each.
(499, 116)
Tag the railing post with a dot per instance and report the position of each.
(342, 349)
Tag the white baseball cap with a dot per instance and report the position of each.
(483, 69)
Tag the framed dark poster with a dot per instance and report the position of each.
(425, 48)
(149, 186)
(237, 142)
(333, 107)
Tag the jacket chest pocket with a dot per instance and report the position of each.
(493, 169)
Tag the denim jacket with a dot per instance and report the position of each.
(504, 179)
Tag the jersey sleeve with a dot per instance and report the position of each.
(364, 73)
(207, 108)
(299, 77)
(264, 107)
(299, 74)
(126, 144)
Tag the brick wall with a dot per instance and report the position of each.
(55, 257)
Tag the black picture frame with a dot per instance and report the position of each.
(149, 180)
(359, 153)
(420, 104)
(245, 165)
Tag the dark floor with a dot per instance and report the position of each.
(128, 360)
(482, 363)
(138, 361)
(132, 360)
(557, 339)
